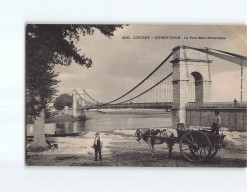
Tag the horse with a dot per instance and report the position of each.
(153, 137)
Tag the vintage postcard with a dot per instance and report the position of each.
(136, 95)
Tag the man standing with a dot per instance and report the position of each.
(97, 147)
(216, 123)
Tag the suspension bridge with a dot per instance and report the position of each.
(181, 82)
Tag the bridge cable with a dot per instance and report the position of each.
(234, 58)
(244, 58)
(91, 97)
(146, 90)
(142, 80)
(82, 97)
(232, 54)
(238, 59)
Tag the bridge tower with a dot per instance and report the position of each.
(78, 104)
(191, 80)
(74, 106)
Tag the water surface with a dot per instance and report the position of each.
(105, 122)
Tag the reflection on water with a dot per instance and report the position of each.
(105, 122)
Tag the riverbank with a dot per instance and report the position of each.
(121, 149)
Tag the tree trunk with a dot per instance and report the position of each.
(39, 140)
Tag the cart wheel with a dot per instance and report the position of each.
(195, 146)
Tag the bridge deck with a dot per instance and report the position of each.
(155, 105)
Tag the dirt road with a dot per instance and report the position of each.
(124, 150)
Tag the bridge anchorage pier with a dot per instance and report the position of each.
(78, 112)
(82, 114)
(191, 81)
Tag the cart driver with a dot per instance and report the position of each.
(216, 123)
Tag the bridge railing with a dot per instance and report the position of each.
(217, 105)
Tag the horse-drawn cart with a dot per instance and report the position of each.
(194, 145)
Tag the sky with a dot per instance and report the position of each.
(119, 64)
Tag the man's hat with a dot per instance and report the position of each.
(97, 133)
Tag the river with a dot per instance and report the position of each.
(105, 122)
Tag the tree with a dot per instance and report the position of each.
(47, 46)
(62, 101)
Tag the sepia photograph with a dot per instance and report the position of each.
(135, 95)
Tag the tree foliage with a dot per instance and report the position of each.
(62, 101)
(47, 46)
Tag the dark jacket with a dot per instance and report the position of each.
(98, 145)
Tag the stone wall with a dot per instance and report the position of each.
(232, 118)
